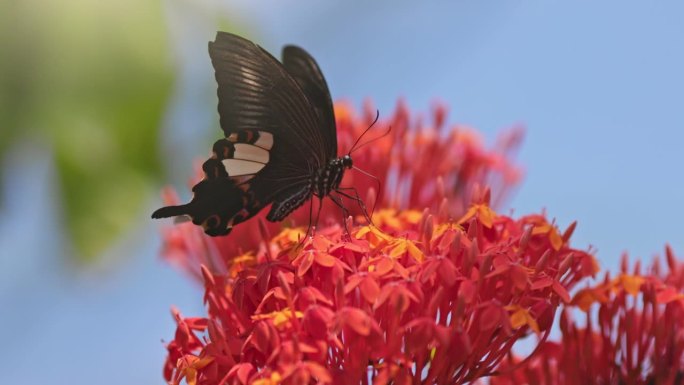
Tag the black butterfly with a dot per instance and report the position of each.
(280, 145)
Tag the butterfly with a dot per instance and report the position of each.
(280, 139)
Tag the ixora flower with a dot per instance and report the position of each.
(633, 333)
(438, 290)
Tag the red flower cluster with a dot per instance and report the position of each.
(437, 291)
(418, 165)
(417, 298)
(633, 333)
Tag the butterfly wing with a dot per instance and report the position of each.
(217, 205)
(257, 93)
(273, 141)
(308, 75)
(304, 69)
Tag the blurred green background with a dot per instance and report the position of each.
(89, 80)
(104, 102)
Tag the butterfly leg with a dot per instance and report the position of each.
(300, 244)
(308, 229)
(345, 212)
(318, 214)
(377, 181)
(355, 197)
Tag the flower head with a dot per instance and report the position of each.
(419, 297)
(633, 333)
(438, 289)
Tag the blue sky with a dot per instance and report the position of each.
(598, 85)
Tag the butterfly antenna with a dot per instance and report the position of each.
(389, 129)
(377, 116)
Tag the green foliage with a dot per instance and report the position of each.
(92, 78)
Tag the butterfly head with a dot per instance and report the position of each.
(347, 161)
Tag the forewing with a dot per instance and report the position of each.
(308, 75)
(256, 93)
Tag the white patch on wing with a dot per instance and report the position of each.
(265, 140)
(251, 153)
(235, 167)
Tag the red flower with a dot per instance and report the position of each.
(419, 166)
(417, 298)
(633, 333)
(438, 292)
